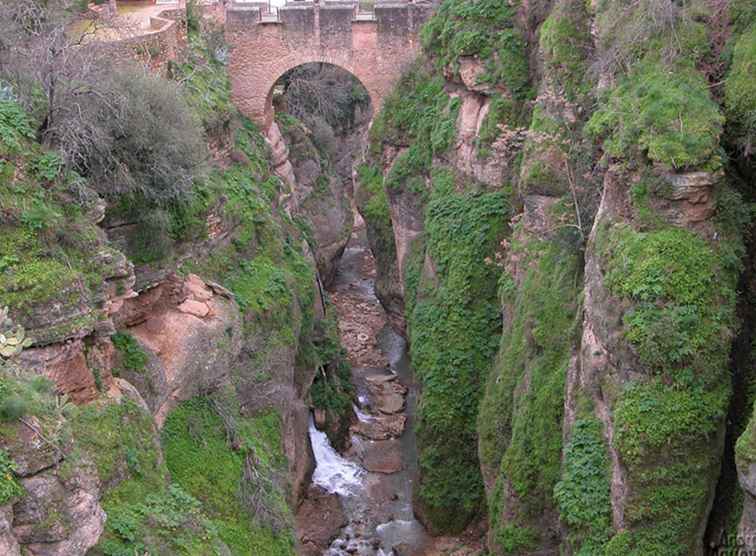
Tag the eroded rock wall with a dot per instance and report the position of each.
(603, 419)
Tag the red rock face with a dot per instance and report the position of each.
(72, 367)
(180, 323)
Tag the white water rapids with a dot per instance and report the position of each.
(332, 472)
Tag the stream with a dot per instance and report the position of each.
(375, 476)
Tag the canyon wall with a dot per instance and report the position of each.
(559, 208)
(158, 361)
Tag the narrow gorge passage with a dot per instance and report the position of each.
(377, 499)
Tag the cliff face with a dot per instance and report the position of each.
(561, 188)
(159, 405)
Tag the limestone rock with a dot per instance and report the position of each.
(319, 519)
(191, 335)
(66, 365)
(687, 199)
(29, 451)
(8, 544)
(381, 427)
(470, 70)
(380, 456)
(59, 518)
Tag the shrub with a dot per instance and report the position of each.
(740, 93)
(9, 487)
(12, 408)
(15, 127)
(133, 357)
(666, 113)
(153, 148)
(47, 166)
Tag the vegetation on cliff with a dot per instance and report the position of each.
(214, 482)
(649, 98)
(520, 427)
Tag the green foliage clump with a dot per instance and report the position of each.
(47, 166)
(665, 435)
(206, 87)
(332, 388)
(196, 443)
(419, 113)
(24, 395)
(564, 42)
(15, 128)
(679, 318)
(742, 15)
(9, 487)
(545, 163)
(376, 207)
(740, 93)
(683, 314)
(665, 113)
(652, 415)
(520, 419)
(454, 327)
(583, 491)
(51, 251)
(260, 285)
(133, 356)
(484, 29)
(169, 521)
(145, 513)
(107, 433)
(263, 265)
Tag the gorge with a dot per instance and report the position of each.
(400, 278)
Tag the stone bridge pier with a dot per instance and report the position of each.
(375, 47)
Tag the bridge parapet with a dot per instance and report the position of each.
(386, 11)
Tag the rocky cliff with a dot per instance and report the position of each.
(157, 360)
(557, 196)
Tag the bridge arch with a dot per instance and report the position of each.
(375, 49)
(269, 112)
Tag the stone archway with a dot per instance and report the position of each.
(375, 50)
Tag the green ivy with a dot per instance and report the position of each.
(665, 436)
(484, 29)
(683, 313)
(520, 420)
(454, 328)
(740, 93)
(133, 357)
(583, 492)
(565, 42)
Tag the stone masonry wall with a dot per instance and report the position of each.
(375, 50)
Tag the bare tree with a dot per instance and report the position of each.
(323, 91)
(128, 131)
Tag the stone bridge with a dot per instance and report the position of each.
(373, 46)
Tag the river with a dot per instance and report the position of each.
(375, 476)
